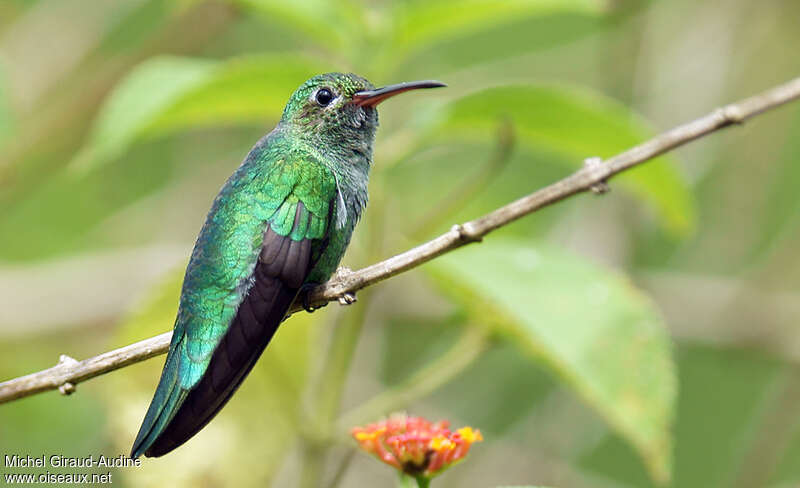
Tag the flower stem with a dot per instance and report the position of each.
(423, 482)
(408, 481)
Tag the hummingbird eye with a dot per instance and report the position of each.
(324, 97)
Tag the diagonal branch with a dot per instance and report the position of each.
(342, 287)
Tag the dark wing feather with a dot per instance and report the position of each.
(282, 268)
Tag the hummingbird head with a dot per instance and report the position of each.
(337, 112)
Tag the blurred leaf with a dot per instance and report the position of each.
(574, 123)
(329, 23)
(42, 425)
(255, 429)
(426, 22)
(722, 400)
(497, 391)
(148, 90)
(409, 343)
(590, 326)
(48, 423)
(70, 206)
(155, 313)
(169, 93)
(719, 408)
(6, 118)
(140, 23)
(489, 47)
(432, 182)
(245, 90)
(494, 392)
(788, 470)
(781, 210)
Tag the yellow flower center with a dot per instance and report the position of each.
(440, 443)
(470, 435)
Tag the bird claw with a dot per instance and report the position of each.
(348, 298)
(305, 297)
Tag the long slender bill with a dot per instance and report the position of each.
(370, 98)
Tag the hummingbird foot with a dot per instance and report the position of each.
(305, 297)
(342, 274)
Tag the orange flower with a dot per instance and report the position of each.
(416, 446)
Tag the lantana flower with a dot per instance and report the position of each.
(416, 446)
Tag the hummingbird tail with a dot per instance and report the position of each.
(177, 411)
(167, 398)
(233, 359)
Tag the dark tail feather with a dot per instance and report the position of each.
(269, 299)
(176, 414)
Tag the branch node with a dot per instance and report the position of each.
(602, 186)
(466, 233)
(731, 114)
(348, 298)
(341, 274)
(67, 388)
(68, 360)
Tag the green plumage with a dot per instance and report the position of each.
(281, 221)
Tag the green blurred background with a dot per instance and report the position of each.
(646, 337)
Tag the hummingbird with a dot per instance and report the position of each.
(278, 227)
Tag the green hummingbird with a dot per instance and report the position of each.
(279, 225)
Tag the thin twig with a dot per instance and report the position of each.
(776, 427)
(69, 372)
(472, 343)
(347, 283)
(342, 468)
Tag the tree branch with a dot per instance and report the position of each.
(69, 372)
(342, 287)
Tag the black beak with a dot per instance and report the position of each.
(370, 98)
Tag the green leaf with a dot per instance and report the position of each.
(165, 94)
(574, 123)
(590, 326)
(419, 23)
